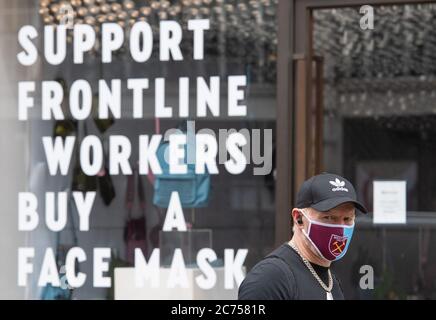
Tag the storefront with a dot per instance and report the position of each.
(303, 83)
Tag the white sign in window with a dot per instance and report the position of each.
(389, 201)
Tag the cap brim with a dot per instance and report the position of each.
(328, 204)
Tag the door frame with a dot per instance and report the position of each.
(295, 21)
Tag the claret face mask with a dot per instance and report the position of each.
(330, 240)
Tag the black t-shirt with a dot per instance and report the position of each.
(282, 275)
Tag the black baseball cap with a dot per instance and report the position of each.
(327, 191)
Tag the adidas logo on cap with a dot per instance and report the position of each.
(339, 185)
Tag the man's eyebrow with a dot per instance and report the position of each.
(327, 213)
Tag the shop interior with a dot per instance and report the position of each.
(240, 213)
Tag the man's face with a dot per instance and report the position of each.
(341, 215)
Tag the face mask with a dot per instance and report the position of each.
(330, 240)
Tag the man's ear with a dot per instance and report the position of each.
(297, 217)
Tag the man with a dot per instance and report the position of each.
(323, 222)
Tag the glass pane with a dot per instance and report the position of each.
(379, 118)
(229, 61)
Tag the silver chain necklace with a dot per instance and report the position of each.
(328, 288)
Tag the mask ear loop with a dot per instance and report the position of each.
(310, 221)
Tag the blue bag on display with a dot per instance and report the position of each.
(51, 292)
(193, 189)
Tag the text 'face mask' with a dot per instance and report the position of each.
(330, 240)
